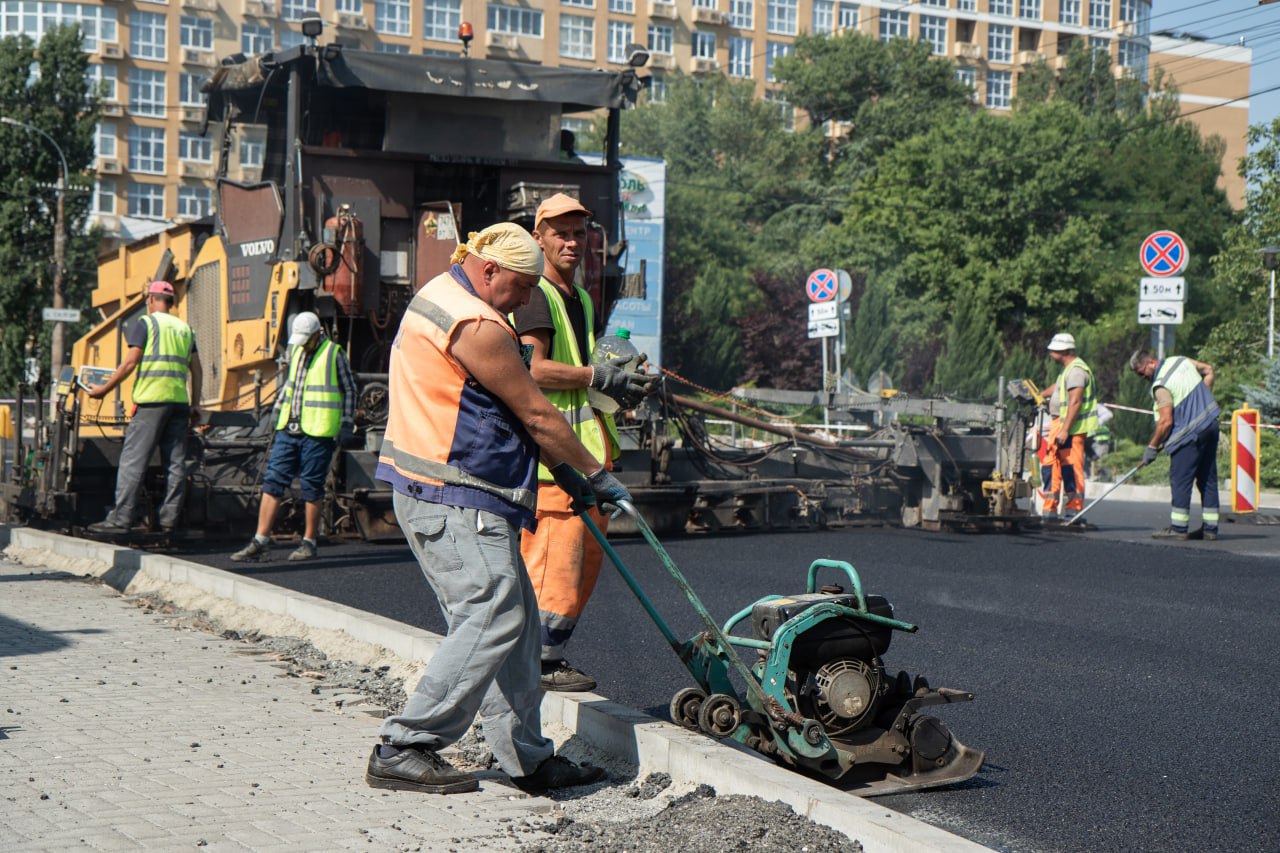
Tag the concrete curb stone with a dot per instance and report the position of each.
(345, 633)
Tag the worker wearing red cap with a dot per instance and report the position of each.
(562, 557)
(163, 350)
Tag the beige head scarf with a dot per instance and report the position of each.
(505, 244)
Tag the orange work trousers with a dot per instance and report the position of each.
(1069, 458)
(563, 560)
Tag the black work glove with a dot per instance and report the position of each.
(575, 486)
(607, 489)
(624, 386)
(346, 434)
(1149, 455)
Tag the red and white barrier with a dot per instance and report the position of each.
(1244, 460)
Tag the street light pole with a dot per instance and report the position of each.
(1270, 260)
(59, 249)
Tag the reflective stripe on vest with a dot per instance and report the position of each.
(1086, 422)
(448, 439)
(321, 406)
(1194, 409)
(166, 361)
(595, 430)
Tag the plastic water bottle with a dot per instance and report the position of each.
(611, 348)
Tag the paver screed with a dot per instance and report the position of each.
(118, 732)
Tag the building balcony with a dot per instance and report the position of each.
(703, 15)
(195, 170)
(352, 21)
(665, 61)
(502, 41)
(967, 50)
(200, 5)
(703, 65)
(110, 50)
(662, 9)
(201, 58)
(106, 166)
(260, 8)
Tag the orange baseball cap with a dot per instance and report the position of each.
(558, 205)
(160, 287)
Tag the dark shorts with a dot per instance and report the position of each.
(301, 456)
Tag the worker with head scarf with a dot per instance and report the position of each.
(461, 453)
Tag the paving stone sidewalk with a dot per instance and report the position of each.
(118, 732)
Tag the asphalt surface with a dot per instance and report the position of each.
(1125, 687)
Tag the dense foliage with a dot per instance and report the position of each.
(44, 87)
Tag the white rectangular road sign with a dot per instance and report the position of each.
(824, 328)
(1153, 312)
(1171, 288)
(823, 311)
(61, 315)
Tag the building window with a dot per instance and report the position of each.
(620, 35)
(146, 200)
(146, 150)
(1000, 43)
(104, 196)
(966, 5)
(1100, 14)
(894, 25)
(660, 38)
(35, 19)
(782, 16)
(742, 14)
(384, 47)
(255, 38)
(1099, 43)
(194, 201)
(847, 17)
(824, 17)
(102, 78)
(189, 94)
(147, 36)
(1069, 12)
(196, 33)
(786, 111)
(296, 10)
(251, 153)
(515, 21)
(622, 7)
(577, 37)
(999, 89)
(440, 19)
(582, 4)
(146, 92)
(934, 31)
(1136, 12)
(104, 140)
(772, 50)
(1004, 8)
(704, 4)
(966, 75)
(195, 148)
(657, 89)
(1029, 9)
(349, 7)
(739, 56)
(1133, 55)
(704, 45)
(391, 17)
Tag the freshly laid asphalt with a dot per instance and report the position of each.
(1125, 687)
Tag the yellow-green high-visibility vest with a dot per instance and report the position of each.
(595, 430)
(166, 361)
(321, 405)
(1086, 422)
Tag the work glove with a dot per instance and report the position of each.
(1149, 455)
(614, 380)
(607, 490)
(575, 486)
(346, 434)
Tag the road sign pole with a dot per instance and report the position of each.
(822, 389)
(1160, 342)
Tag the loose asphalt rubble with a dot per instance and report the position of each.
(153, 702)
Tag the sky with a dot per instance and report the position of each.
(1226, 21)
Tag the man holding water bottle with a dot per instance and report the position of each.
(562, 557)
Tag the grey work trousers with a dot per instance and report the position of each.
(488, 663)
(166, 424)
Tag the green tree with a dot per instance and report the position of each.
(45, 87)
(872, 344)
(971, 355)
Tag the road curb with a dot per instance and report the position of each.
(653, 745)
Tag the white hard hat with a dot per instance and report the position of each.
(1062, 342)
(303, 327)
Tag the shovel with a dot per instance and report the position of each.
(1099, 498)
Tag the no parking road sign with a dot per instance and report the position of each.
(1163, 253)
(822, 285)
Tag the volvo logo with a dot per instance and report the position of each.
(257, 247)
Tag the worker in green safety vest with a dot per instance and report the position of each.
(1074, 402)
(163, 350)
(314, 412)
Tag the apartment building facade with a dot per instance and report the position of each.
(152, 57)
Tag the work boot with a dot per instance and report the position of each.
(254, 552)
(1171, 533)
(1208, 535)
(559, 677)
(409, 768)
(305, 551)
(107, 527)
(557, 772)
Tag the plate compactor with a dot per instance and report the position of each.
(818, 698)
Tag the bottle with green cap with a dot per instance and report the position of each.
(616, 348)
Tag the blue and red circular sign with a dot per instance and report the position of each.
(1163, 253)
(822, 285)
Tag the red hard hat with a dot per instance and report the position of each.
(160, 287)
